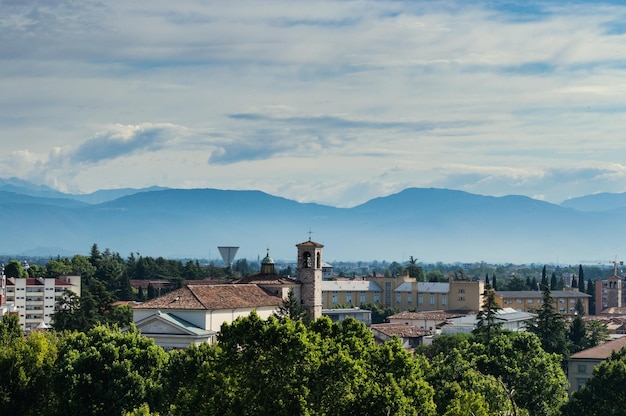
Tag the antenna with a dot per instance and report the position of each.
(228, 254)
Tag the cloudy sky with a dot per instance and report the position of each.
(335, 102)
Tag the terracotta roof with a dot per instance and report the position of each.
(400, 330)
(213, 297)
(439, 315)
(37, 281)
(310, 244)
(267, 279)
(602, 351)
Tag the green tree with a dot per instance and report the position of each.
(14, 269)
(544, 276)
(596, 333)
(25, 365)
(107, 372)
(603, 394)
(591, 291)
(577, 334)
(487, 324)
(551, 327)
(553, 282)
(292, 308)
(581, 278)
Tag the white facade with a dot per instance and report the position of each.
(35, 299)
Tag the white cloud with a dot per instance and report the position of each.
(372, 96)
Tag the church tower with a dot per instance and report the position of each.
(310, 275)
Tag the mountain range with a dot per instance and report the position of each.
(427, 223)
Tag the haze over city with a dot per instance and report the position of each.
(332, 102)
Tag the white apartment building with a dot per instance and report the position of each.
(35, 299)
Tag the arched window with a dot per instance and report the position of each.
(318, 261)
(306, 260)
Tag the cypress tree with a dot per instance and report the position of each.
(544, 276)
(493, 282)
(486, 278)
(553, 281)
(581, 278)
(591, 291)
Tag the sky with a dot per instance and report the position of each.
(334, 102)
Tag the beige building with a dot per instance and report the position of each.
(530, 300)
(581, 364)
(35, 300)
(404, 293)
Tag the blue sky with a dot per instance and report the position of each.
(335, 102)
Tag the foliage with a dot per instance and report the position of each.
(291, 308)
(603, 394)
(487, 318)
(379, 313)
(551, 327)
(107, 372)
(14, 269)
(25, 365)
(508, 373)
(281, 367)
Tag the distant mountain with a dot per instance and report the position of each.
(597, 202)
(429, 224)
(22, 187)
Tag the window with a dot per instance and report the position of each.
(461, 290)
(561, 300)
(398, 298)
(461, 298)
(349, 297)
(409, 298)
(519, 301)
(562, 310)
(444, 299)
(362, 297)
(335, 297)
(582, 368)
(377, 297)
(529, 301)
(432, 298)
(572, 300)
(420, 299)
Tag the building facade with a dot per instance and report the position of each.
(404, 293)
(531, 300)
(35, 300)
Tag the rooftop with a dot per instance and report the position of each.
(213, 297)
(602, 351)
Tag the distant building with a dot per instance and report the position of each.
(404, 293)
(510, 319)
(410, 336)
(35, 300)
(530, 300)
(581, 364)
(339, 315)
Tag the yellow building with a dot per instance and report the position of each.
(404, 293)
(531, 300)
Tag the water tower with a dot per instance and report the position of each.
(228, 255)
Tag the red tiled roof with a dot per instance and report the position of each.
(438, 315)
(214, 297)
(310, 244)
(399, 330)
(267, 279)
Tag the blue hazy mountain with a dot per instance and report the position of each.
(429, 224)
(20, 186)
(604, 201)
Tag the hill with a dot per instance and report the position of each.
(429, 224)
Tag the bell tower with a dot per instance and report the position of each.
(310, 275)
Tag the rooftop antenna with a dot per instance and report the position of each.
(228, 254)
(310, 232)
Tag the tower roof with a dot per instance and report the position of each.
(267, 259)
(310, 244)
